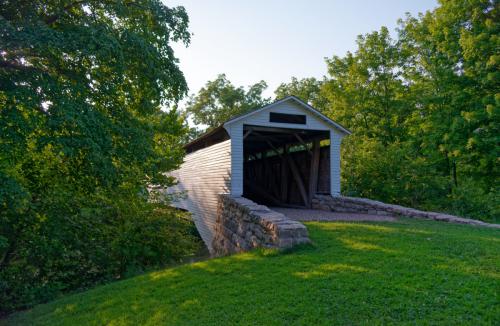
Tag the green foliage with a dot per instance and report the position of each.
(220, 100)
(455, 84)
(424, 111)
(372, 169)
(471, 198)
(82, 136)
(307, 89)
(365, 88)
(407, 272)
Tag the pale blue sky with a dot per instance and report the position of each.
(274, 40)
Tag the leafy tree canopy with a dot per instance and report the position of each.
(307, 89)
(455, 79)
(424, 110)
(220, 100)
(82, 133)
(365, 88)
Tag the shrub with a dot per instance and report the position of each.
(58, 254)
(469, 199)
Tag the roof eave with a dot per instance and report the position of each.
(203, 136)
(322, 116)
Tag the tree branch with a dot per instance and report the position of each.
(15, 65)
(52, 19)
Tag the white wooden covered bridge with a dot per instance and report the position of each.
(280, 155)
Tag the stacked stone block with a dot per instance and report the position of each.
(242, 225)
(344, 204)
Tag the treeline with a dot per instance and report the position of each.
(424, 108)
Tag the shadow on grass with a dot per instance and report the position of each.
(404, 272)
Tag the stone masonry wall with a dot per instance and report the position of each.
(362, 205)
(243, 225)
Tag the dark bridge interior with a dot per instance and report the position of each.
(285, 167)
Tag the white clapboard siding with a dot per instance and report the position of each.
(203, 175)
(261, 118)
(335, 140)
(236, 135)
(289, 107)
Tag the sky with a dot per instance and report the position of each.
(274, 40)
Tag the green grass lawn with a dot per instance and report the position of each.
(407, 272)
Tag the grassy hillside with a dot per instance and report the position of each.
(355, 273)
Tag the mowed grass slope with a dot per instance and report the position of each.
(407, 272)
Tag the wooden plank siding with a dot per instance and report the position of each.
(290, 107)
(236, 136)
(335, 140)
(203, 175)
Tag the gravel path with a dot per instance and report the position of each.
(305, 215)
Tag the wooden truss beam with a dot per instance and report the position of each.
(313, 171)
(284, 177)
(249, 131)
(303, 143)
(297, 177)
(262, 192)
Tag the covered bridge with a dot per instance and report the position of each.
(280, 155)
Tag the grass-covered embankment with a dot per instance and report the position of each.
(356, 273)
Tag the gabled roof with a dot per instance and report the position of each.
(220, 129)
(301, 103)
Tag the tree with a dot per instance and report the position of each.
(453, 69)
(220, 100)
(424, 110)
(455, 78)
(365, 89)
(307, 89)
(83, 135)
(366, 92)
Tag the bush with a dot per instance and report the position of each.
(55, 254)
(469, 199)
(394, 173)
(390, 173)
